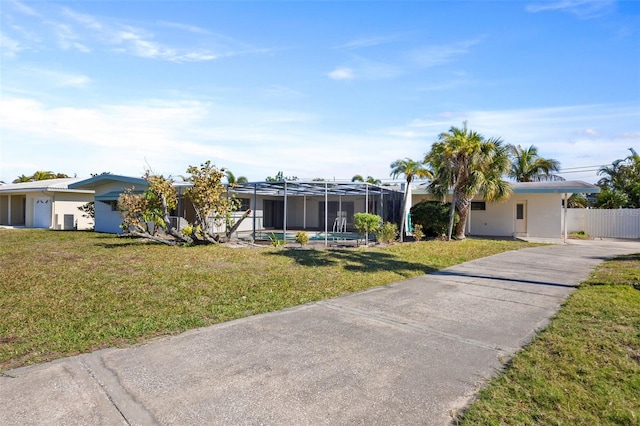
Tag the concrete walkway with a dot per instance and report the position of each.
(409, 353)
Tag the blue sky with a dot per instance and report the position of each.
(324, 89)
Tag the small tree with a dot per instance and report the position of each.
(367, 223)
(211, 202)
(387, 233)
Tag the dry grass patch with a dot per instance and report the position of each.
(63, 293)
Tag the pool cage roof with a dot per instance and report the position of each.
(311, 188)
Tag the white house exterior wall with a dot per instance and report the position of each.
(543, 213)
(543, 216)
(67, 204)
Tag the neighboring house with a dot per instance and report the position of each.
(535, 209)
(49, 204)
(106, 189)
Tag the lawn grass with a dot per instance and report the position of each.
(584, 369)
(63, 293)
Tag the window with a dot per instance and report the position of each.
(478, 205)
(520, 211)
(245, 204)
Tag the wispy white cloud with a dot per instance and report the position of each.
(184, 27)
(565, 133)
(9, 47)
(341, 74)
(23, 8)
(87, 33)
(431, 56)
(580, 8)
(369, 41)
(253, 142)
(55, 78)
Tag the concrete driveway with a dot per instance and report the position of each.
(409, 353)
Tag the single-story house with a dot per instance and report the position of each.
(275, 206)
(535, 209)
(49, 204)
(107, 189)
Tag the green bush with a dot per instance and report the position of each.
(367, 223)
(275, 241)
(302, 238)
(418, 233)
(433, 216)
(387, 233)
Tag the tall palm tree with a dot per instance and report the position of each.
(411, 170)
(528, 166)
(464, 161)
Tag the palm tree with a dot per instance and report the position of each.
(23, 178)
(464, 161)
(620, 183)
(369, 179)
(411, 169)
(528, 166)
(42, 175)
(232, 180)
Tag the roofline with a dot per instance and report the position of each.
(573, 187)
(93, 181)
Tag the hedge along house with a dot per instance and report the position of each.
(281, 207)
(535, 209)
(48, 204)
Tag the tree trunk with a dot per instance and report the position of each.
(237, 224)
(463, 203)
(404, 213)
(452, 215)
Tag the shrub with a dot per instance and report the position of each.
(302, 238)
(418, 234)
(367, 223)
(433, 216)
(275, 241)
(387, 233)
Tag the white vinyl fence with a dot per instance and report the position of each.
(605, 223)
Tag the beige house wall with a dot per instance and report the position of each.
(543, 216)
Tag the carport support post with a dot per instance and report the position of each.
(326, 213)
(564, 233)
(284, 220)
(255, 206)
(366, 209)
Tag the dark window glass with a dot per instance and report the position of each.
(478, 205)
(519, 211)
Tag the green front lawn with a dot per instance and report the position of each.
(584, 369)
(63, 293)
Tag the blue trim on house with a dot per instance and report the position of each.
(95, 181)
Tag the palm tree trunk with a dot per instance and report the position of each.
(404, 213)
(462, 204)
(452, 215)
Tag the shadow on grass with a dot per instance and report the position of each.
(356, 261)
